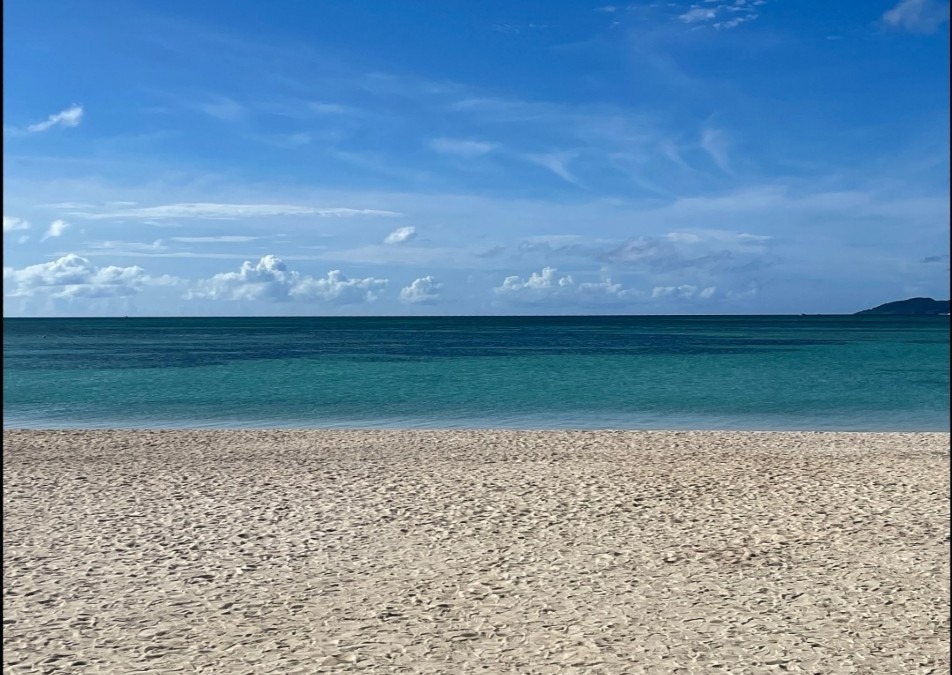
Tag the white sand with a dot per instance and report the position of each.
(475, 552)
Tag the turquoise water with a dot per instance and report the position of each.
(832, 373)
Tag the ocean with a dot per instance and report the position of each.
(850, 373)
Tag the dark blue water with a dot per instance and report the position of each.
(844, 373)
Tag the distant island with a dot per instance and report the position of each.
(912, 306)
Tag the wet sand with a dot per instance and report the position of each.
(475, 552)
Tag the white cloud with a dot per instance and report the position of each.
(56, 229)
(75, 277)
(684, 237)
(546, 286)
(683, 291)
(700, 249)
(918, 16)
(337, 288)
(557, 163)
(212, 211)
(562, 244)
(461, 147)
(404, 255)
(223, 108)
(733, 22)
(11, 224)
(749, 292)
(126, 247)
(423, 290)
(715, 143)
(321, 108)
(537, 281)
(697, 14)
(270, 279)
(224, 239)
(66, 118)
(605, 289)
(400, 235)
(722, 15)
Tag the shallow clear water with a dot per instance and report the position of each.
(836, 373)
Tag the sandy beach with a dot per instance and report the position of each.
(475, 552)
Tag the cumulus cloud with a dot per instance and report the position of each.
(270, 279)
(337, 288)
(421, 291)
(72, 276)
(56, 229)
(11, 224)
(683, 291)
(547, 286)
(70, 117)
(214, 211)
(537, 281)
(400, 235)
(918, 16)
(749, 292)
(461, 147)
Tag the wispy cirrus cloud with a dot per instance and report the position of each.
(722, 15)
(560, 244)
(918, 16)
(717, 145)
(224, 239)
(222, 108)
(215, 211)
(127, 247)
(557, 163)
(70, 117)
(461, 147)
(703, 249)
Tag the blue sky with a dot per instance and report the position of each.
(337, 158)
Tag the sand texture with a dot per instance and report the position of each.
(475, 552)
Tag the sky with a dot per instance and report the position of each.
(238, 157)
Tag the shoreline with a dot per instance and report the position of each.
(422, 426)
(436, 551)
